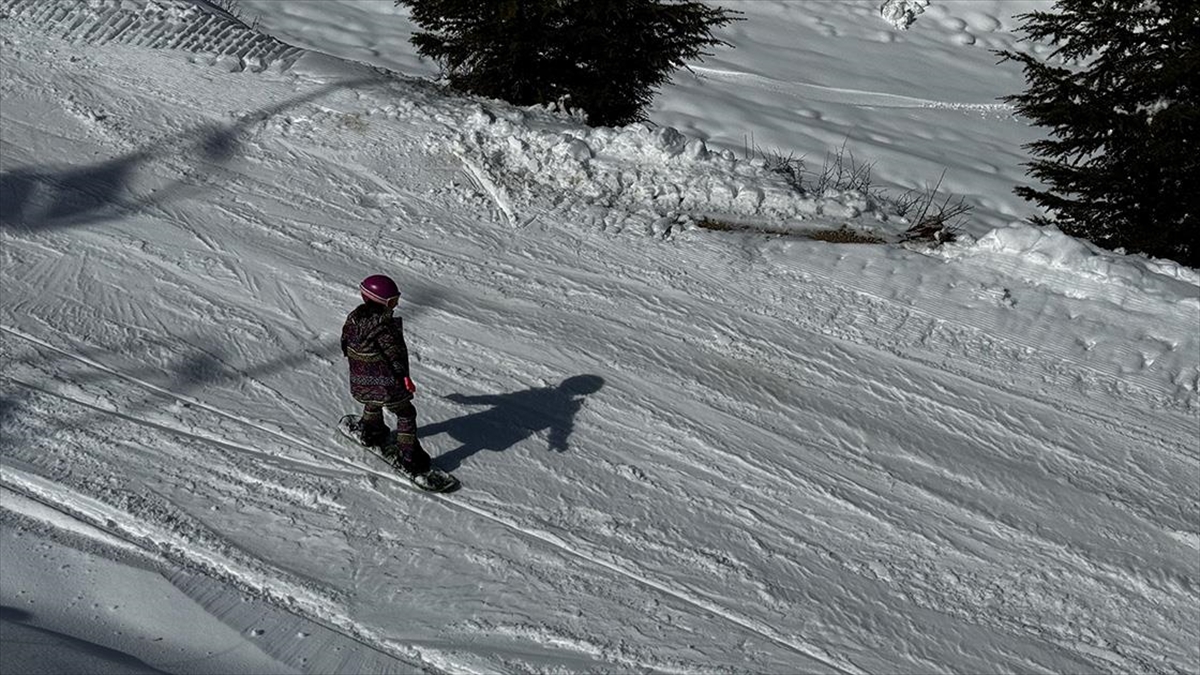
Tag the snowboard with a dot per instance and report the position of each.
(434, 480)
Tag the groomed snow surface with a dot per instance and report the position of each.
(682, 451)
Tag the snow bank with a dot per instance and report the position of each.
(648, 172)
(1047, 248)
(1131, 317)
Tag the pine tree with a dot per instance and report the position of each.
(1122, 102)
(604, 57)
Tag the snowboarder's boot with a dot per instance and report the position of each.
(411, 462)
(369, 435)
(416, 467)
(431, 480)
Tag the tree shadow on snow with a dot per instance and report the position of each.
(43, 198)
(183, 378)
(512, 418)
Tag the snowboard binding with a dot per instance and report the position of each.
(432, 480)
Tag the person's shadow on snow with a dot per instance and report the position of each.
(511, 418)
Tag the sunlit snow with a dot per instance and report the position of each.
(682, 450)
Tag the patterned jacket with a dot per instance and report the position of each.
(373, 341)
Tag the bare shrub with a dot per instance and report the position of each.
(790, 167)
(937, 222)
(841, 171)
(906, 202)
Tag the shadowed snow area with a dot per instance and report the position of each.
(681, 450)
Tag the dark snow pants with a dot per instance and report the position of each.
(407, 451)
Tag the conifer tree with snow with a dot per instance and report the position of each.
(1120, 94)
(603, 57)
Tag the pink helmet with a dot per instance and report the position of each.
(379, 288)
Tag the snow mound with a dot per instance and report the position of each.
(1129, 316)
(642, 170)
(902, 13)
(1049, 249)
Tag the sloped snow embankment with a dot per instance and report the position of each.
(535, 166)
(1129, 317)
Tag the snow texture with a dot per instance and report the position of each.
(682, 450)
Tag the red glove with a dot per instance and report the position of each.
(408, 384)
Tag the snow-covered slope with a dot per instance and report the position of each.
(803, 79)
(682, 450)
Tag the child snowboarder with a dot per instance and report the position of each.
(373, 341)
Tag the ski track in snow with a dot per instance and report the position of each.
(807, 92)
(1033, 507)
(604, 560)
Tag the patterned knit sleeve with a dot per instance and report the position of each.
(391, 342)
